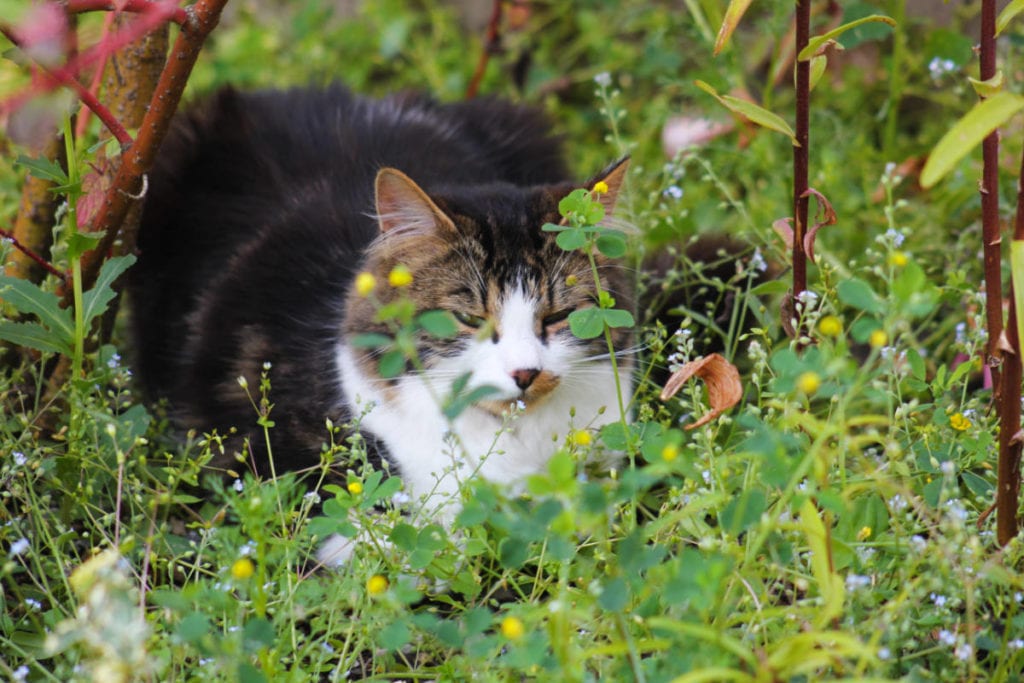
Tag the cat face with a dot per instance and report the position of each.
(481, 255)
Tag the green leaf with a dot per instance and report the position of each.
(394, 636)
(193, 627)
(1017, 277)
(44, 169)
(95, 301)
(829, 583)
(967, 133)
(817, 41)
(369, 340)
(614, 595)
(859, 294)
(743, 511)
(458, 403)
(733, 13)
(33, 336)
(440, 324)
(258, 633)
(612, 243)
(574, 202)
(81, 242)
(587, 323)
(616, 317)
(571, 239)
(818, 66)
(988, 87)
(513, 552)
(392, 364)
(1007, 15)
(755, 113)
(28, 298)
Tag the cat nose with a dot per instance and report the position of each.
(524, 377)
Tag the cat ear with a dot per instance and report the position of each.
(404, 208)
(613, 177)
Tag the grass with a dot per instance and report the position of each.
(829, 527)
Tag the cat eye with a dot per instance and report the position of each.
(556, 317)
(468, 319)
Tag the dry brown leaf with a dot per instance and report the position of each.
(826, 216)
(721, 378)
(783, 227)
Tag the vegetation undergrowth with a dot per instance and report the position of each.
(831, 526)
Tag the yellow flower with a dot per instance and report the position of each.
(400, 276)
(512, 628)
(958, 422)
(580, 437)
(365, 282)
(571, 280)
(808, 382)
(898, 259)
(355, 488)
(600, 187)
(864, 533)
(242, 569)
(670, 452)
(830, 326)
(878, 339)
(376, 584)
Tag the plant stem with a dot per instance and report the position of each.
(76, 260)
(800, 156)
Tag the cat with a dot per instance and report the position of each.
(264, 208)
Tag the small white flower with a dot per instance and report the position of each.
(401, 498)
(20, 674)
(673, 192)
(33, 604)
(884, 653)
(1016, 644)
(895, 237)
(114, 361)
(961, 333)
(520, 405)
(603, 79)
(266, 365)
(242, 382)
(238, 485)
(963, 652)
(706, 474)
(918, 543)
(757, 261)
(938, 599)
(855, 581)
(947, 637)
(807, 297)
(19, 547)
(312, 496)
(19, 458)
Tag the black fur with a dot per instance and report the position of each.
(258, 215)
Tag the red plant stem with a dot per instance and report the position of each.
(800, 154)
(66, 78)
(146, 22)
(1008, 469)
(490, 47)
(43, 263)
(135, 162)
(178, 15)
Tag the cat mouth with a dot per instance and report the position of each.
(528, 399)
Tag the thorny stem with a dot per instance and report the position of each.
(800, 198)
(203, 17)
(1007, 389)
(490, 47)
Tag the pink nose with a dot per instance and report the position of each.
(524, 377)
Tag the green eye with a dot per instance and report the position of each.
(556, 317)
(468, 319)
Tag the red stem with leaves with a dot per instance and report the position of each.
(490, 47)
